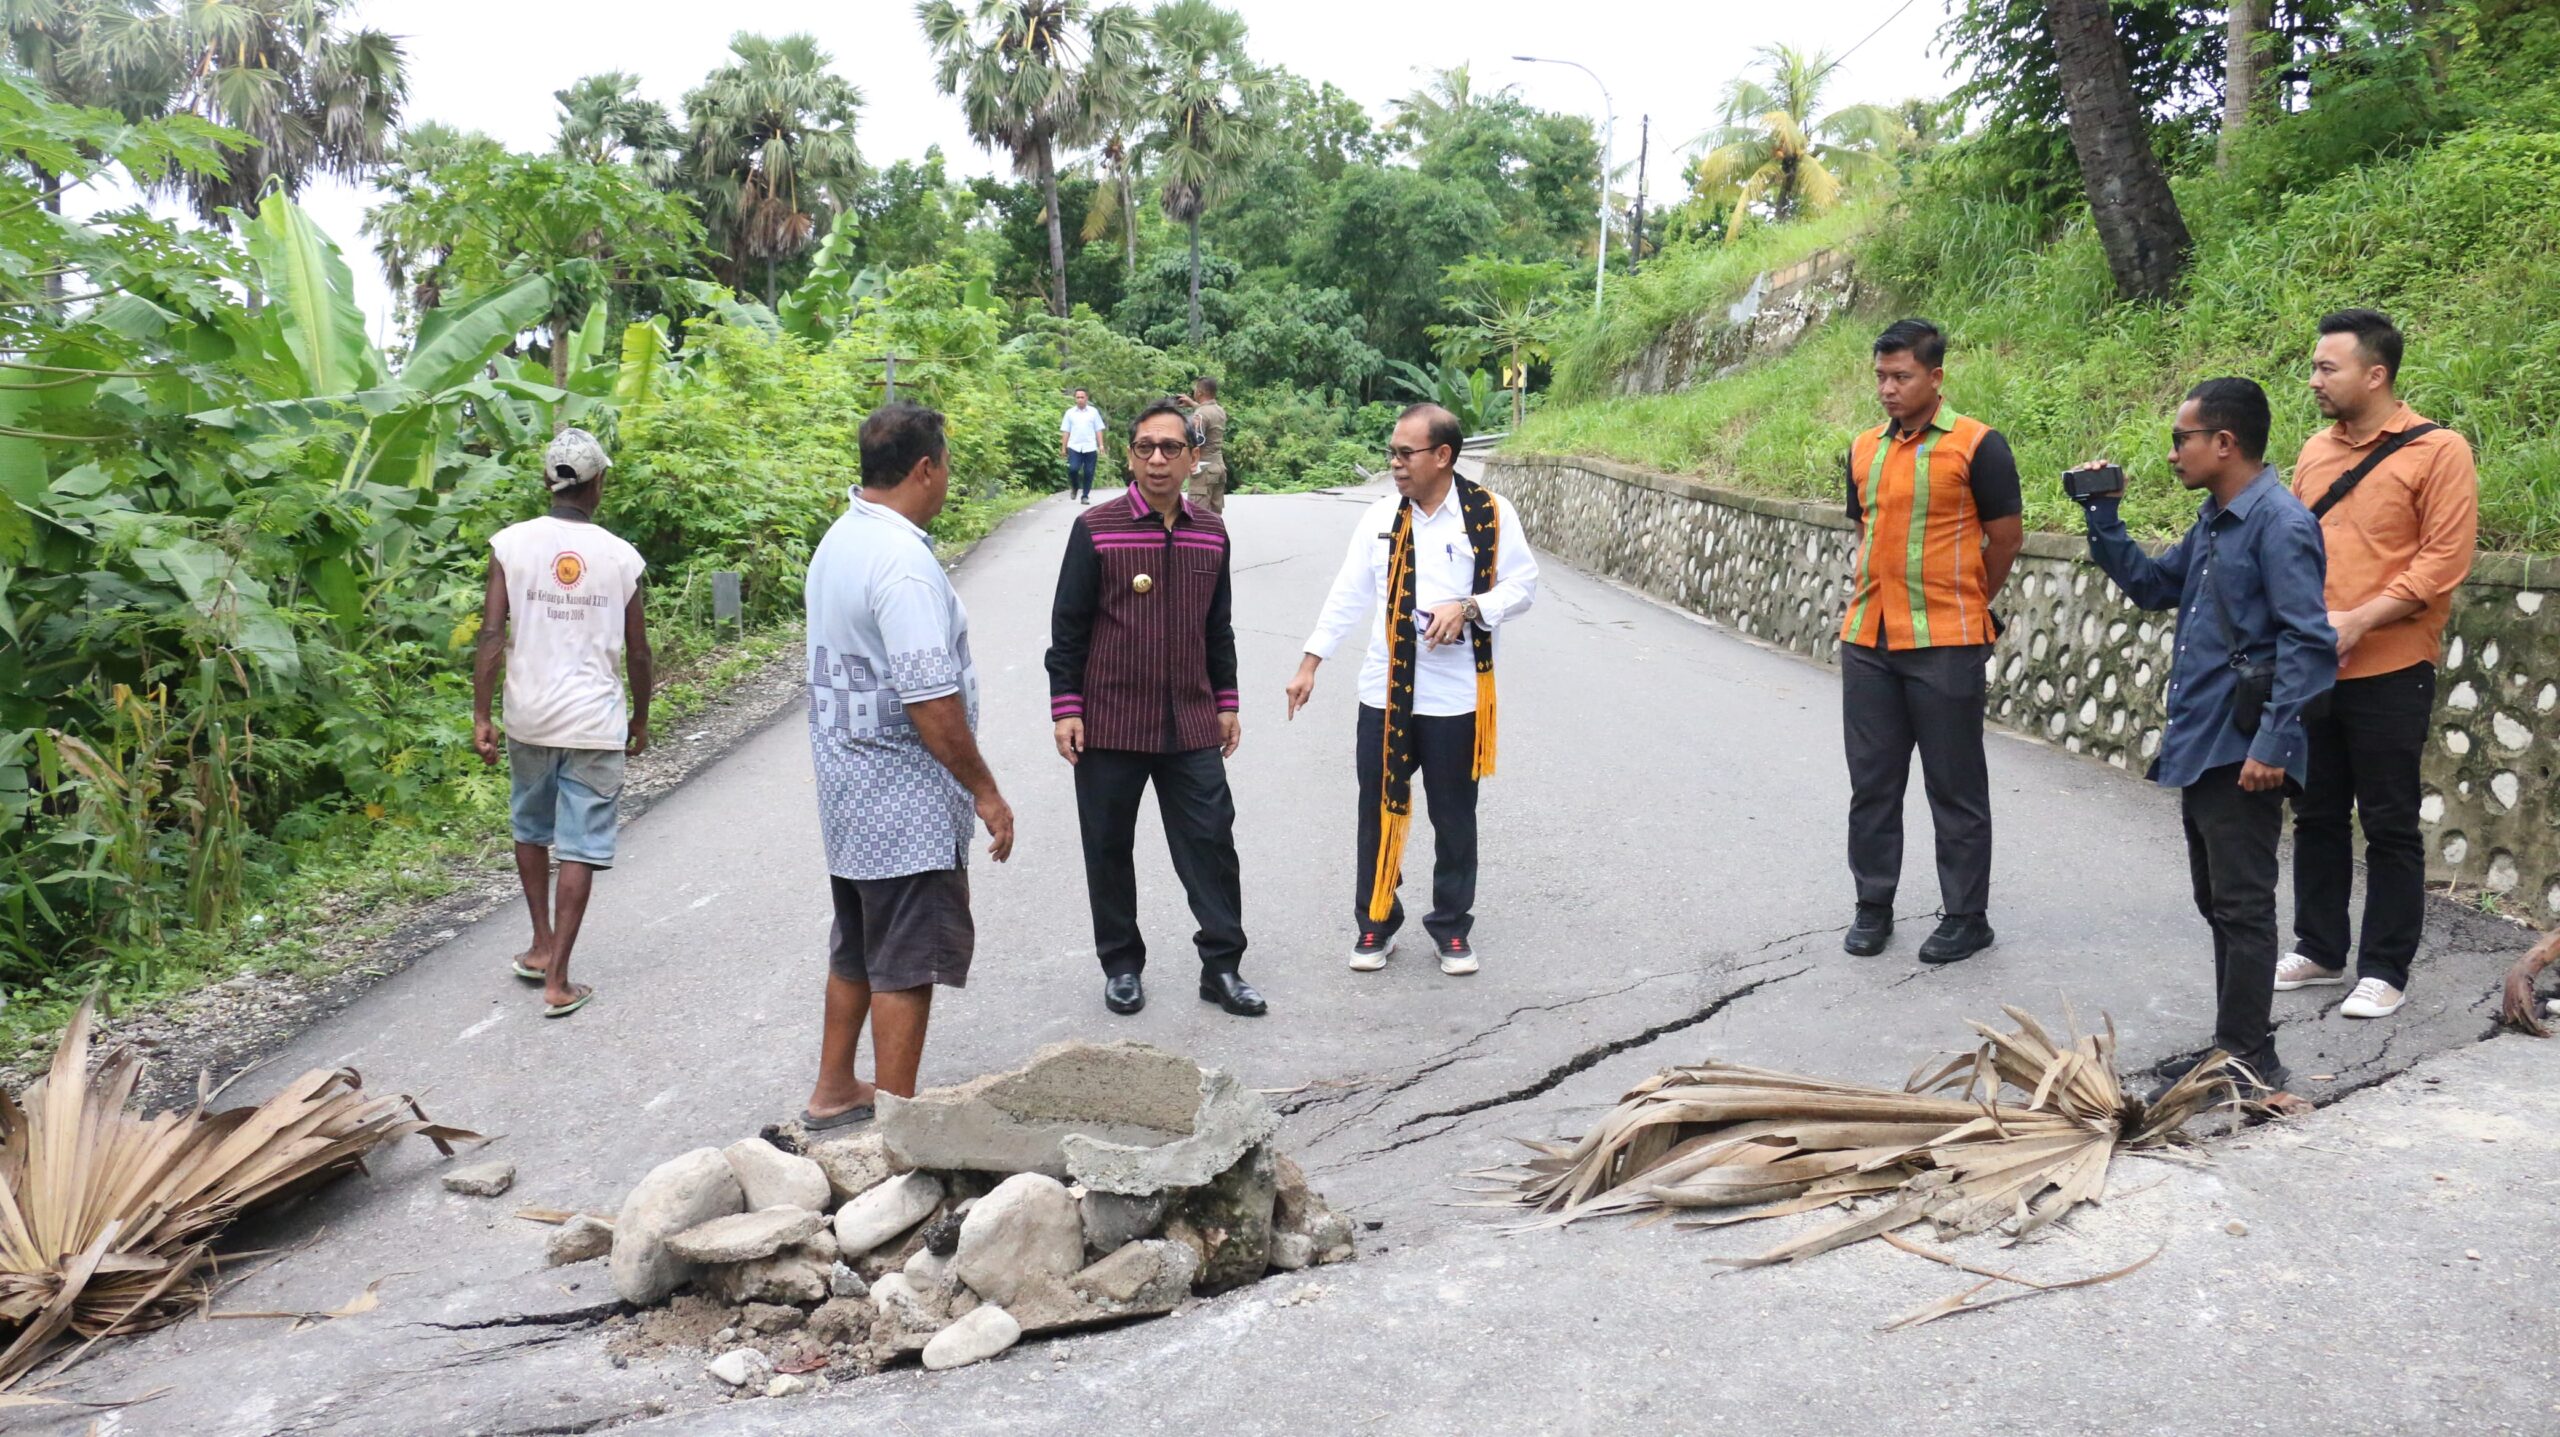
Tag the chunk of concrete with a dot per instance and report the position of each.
(884, 1212)
(745, 1236)
(843, 1321)
(771, 1177)
(855, 1165)
(680, 1193)
(580, 1239)
(1121, 1117)
(793, 1276)
(1025, 1230)
(908, 1316)
(975, 1338)
(1142, 1279)
(1231, 1218)
(481, 1179)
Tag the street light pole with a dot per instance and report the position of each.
(1608, 153)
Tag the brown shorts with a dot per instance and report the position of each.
(905, 932)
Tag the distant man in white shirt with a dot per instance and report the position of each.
(1080, 439)
(1443, 565)
(562, 618)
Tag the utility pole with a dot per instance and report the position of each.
(1608, 152)
(1635, 231)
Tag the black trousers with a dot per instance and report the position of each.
(2231, 853)
(2364, 766)
(1199, 826)
(1445, 750)
(1895, 700)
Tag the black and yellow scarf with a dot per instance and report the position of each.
(1475, 506)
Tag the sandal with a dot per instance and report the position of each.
(851, 1117)
(563, 1010)
(528, 974)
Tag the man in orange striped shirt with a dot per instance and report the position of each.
(2399, 537)
(1934, 494)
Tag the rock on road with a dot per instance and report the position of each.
(1662, 881)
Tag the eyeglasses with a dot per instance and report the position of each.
(1404, 451)
(2178, 436)
(1150, 448)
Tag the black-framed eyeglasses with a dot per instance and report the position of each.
(2179, 437)
(1407, 451)
(1150, 448)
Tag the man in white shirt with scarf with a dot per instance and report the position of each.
(1443, 566)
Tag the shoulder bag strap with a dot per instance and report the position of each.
(2348, 481)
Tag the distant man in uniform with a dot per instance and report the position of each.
(2399, 508)
(562, 618)
(1209, 423)
(1080, 439)
(1934, 494)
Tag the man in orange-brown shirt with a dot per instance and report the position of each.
(1935, 497)
(2399, 508)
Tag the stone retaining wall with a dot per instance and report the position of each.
(2079, 666)
(1769, 317)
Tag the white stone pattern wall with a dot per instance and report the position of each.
(2077, 666)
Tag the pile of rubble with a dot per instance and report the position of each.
(1097, 1183)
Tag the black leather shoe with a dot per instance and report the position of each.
(1869, 930)
(1231, 992)
(1124, 993)
(1959, 936)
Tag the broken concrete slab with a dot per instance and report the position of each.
(1119, 1117)
(745, 1236)
(481, 1179)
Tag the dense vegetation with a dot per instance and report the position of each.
(2413, 173)
(242, 544)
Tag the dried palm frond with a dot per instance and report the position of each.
(108, 1219)
(1747, 1143)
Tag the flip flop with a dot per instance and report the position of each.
(530, 975)
(850, 1117)
(563, 1010)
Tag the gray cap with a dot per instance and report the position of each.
(574, 458)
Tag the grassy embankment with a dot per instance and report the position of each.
(2459, 240)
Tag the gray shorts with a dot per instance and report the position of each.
(905, 932)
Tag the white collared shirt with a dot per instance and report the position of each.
(1444, 563)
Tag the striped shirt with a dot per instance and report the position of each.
(1142, 644)
(1921, 579)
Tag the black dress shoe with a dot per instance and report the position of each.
(1959, 936)
(1869, 930)
(1231, 992)
(1124, 993)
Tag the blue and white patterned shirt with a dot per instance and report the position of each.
(885, 630)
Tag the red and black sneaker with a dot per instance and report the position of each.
(1369, 951)
(1456, 958)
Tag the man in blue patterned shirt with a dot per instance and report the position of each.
(893, 714)
(2254, 646)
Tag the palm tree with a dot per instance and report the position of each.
(413, 255)
(2130, 203)
(1117, 165)
(771, 147)
(604, 121)
(1769, 148)
(315, 98)
(1442, 101)
(53, 43)
(1020, 69)
(1208, 100)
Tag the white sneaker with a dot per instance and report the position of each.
(1369, 952)
(2296, 971)
(2373, 998)
(1457, 957)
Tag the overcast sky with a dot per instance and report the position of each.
(492, 65)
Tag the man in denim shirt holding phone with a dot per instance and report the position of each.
(2254, 646)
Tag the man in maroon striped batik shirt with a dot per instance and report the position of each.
(1142, 687)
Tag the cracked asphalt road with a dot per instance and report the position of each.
(1662, 882)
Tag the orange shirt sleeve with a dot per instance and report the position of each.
(2448, 528)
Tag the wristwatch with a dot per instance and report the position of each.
(1474, 614)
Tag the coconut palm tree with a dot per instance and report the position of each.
(1208, 99)
(770, 150)
(1021, 70)
(1771, 150)
(1432, 107)
(314, 97)
(604, 121)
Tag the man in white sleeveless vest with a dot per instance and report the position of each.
(562, 619)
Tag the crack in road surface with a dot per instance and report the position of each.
(587, 1316)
